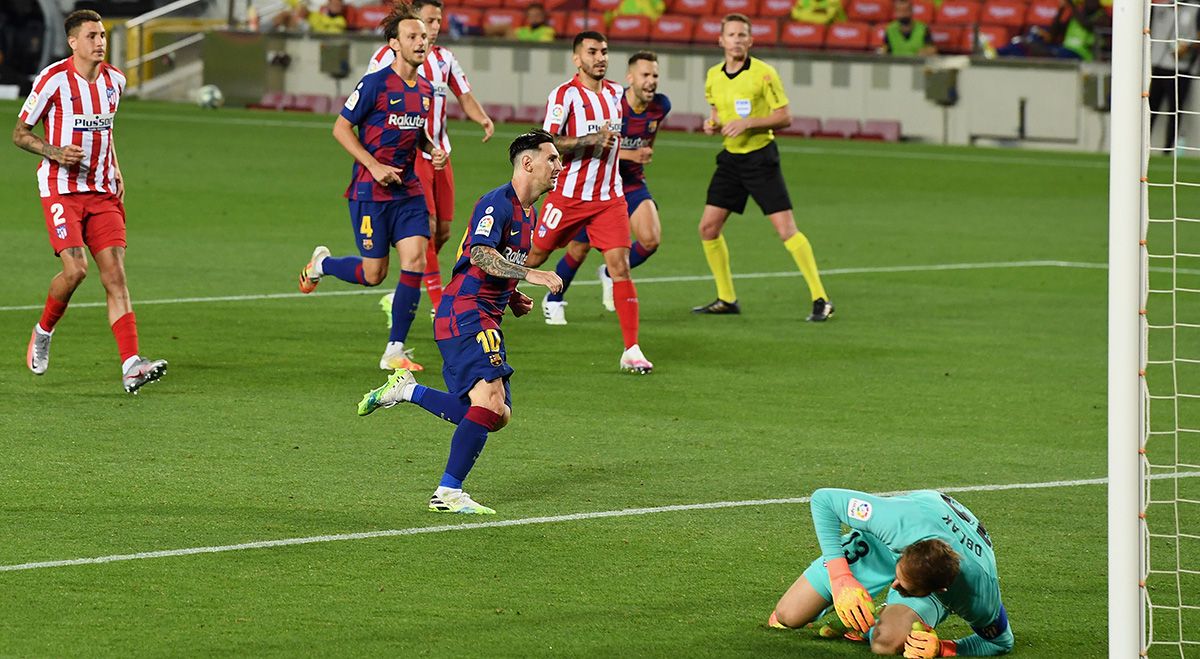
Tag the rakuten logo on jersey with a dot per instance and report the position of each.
(92, 122)
(515, 256)
(405, 121)
(632, 142)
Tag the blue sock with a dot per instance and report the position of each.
(404, 304)
(347, 268)
(466, 445)
(638, 256)
(566, 269)
(440, 403)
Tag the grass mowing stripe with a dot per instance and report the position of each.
(937, 267)
(526, 521)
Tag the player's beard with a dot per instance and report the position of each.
(596, 72)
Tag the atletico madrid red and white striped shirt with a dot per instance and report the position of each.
(442, 70)
(576, 111)
(77, 112)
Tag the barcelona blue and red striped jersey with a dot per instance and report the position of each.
(390, 115)
(637, 131)
(474, 300)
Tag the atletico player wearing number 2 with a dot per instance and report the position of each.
(934, 554)
(82, 190)
(467, 326)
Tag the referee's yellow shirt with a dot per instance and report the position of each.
(755, 91)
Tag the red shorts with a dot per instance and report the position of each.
(607, 222)
(94, 219)
(439, 188)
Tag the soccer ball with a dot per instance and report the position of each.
(210, 96)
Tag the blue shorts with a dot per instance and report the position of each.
(378, 225)
(633, 199)
(469, 358)
(874, 565)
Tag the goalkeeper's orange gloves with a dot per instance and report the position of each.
(851, 601)
(923, 643)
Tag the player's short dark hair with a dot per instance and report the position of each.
(417, 4)
(79, 17)
(931, 564)
(528, 141)
(735, 18)
(391, 22)
(642, 55)
(585, 35)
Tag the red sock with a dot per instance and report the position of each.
(125, 331)
(53, 311)
(625, 299)
(433, 276)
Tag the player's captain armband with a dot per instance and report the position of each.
(997, 627)
(484, 228)
(859, 510)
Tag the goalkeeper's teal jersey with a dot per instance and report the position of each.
(900, 521)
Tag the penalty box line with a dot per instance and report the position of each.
(528, 521)
(936, 267)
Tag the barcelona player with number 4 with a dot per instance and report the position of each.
(467, 326)
(931, 550)
(390, 108)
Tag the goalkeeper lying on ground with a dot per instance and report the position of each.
(929, 548)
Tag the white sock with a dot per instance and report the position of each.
(443, 491)
(128, 363)
(407, 392)
(394, 346)
(41, 331)
(318, 271)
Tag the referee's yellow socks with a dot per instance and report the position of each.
(716, 252)
(802, 253)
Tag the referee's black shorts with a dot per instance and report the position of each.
(756, 174)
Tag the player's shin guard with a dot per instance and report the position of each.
(347, 268)
(716, 252)
(440, 404)
(802, 254)
(433, 275)
(626, 301)
(467, 444)
(52, 313)
(638, 254)
(404, 304)
(566, 269)
(125, 332)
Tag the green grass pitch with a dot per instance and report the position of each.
(989, 374)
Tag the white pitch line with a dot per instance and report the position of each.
(527, 521)
(649, 280)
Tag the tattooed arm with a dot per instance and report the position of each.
(489, 260)
(26, 139)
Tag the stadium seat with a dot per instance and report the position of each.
(765, 32)
(747, 7)
(839, 129)
(997, 35)
(500, 113)
(708, 30)
(802, 127)
(578, 21)
(673, 29)
(694, 7)
(870, 11)
(601, 5)
(875, 38)
(847, 36)
(529, 114)
(629, 28)
(885, 130)
(923, 10)
(802, 35)
(455, 111)
(1010, 13)
(502, 19)
(472, 18)
(483, 4)
(776, 8)
(949, 38)
(958, 12)
(1042, 12)
(367, 17)
(684, 121)
(273, 101)
(558, 21)
(550, 5)
(309, 103)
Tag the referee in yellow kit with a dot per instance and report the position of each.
(748, 101)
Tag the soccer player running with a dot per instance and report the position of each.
(748, 102)
(643, 110)
(933, 552)
(82, 190)
(584, 115)
(445, 74)
(467, 325)
(390, 109)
